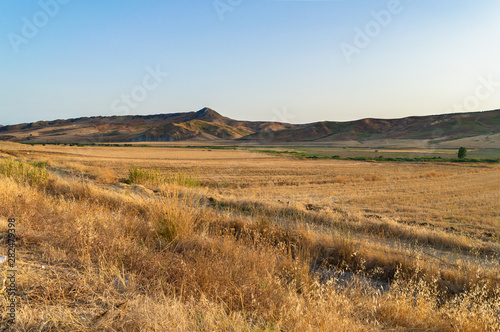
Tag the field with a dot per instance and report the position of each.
(204, 239)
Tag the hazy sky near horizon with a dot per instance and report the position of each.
(292, 61)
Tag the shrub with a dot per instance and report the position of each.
(462, 152)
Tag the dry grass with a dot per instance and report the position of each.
(263, 244)
(434, 174)
(106, 175)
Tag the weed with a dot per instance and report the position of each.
(34, 173)
(139, 175)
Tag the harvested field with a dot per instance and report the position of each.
(174, 239)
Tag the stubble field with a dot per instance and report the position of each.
(173, 239)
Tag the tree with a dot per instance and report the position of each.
(462, 152)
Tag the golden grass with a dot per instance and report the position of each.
(264, 244)
(434, 174)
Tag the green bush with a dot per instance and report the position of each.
(462, 152)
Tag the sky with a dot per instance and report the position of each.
(293, 61)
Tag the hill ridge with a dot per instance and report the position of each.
(208, 125)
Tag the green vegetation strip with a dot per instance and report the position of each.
(303, 155)
(297, 154)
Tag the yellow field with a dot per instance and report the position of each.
(230, 240)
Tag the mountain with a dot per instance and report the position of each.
(208, 125)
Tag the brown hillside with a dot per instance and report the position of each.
(208, 125)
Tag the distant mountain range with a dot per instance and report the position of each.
(208, 125)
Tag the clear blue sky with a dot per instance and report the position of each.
(248, 59)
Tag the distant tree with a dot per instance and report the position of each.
(462, 152)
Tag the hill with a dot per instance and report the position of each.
(205, 125)
(437, 127)
(208, 125)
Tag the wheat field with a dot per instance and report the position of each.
(182, 239)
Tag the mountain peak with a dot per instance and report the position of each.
(207, 112)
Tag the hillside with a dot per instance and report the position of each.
(436, 127)
(208, 125)
(204, 124)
